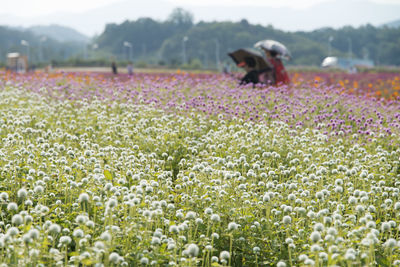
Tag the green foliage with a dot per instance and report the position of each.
(164, 41)
(161, 42)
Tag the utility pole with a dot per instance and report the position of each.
(184, 40)
(25, 43)
(129, 46)
(217, 53)
(350, 48)
(330, 46)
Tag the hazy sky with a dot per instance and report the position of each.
(31, 8)
(91, 16)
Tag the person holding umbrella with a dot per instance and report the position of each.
(255, 65)
(251, 76)
(273, 51)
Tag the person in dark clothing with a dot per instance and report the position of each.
(251, 76)
(114, 67)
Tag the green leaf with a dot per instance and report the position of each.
(87, 262)
(108, 175)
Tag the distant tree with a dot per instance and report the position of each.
(181, 17)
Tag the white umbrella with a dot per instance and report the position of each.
(330, 62)
(273, 45)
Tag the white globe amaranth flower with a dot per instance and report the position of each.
(224, 255)
(315, 236)
(193, 250)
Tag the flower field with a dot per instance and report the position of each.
(192, 170)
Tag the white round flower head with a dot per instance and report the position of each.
(215, 235)
(34, 233)
(34, 253)
(144, 261)
(54, 229)
(287, 219)
(224, 255)
(391, 243)
(309, 262)
(171, 246)
(315, 236)
(12, 206)
(191, 215)
(193, 250)
(288, 240)
(80, 219)
(319, 227)
(208, 211)
(12, 231)
(84, 197)
(65, 240)
(112, 202)
(17, 219)
(26, 239)
(303, 257)
(106, 236)
(155, 240)
(281, 264)
(174, 229)
(332, 231)
(114, 257)
(350, 256)
(78, 233)
(38, 189)
(99, 245)
(385, 227)
(315, 248)
(214, 259)
(232, 226)
(215, 218)
(22, 193)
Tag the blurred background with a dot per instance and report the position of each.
(197, 35)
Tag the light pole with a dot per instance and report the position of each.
(94, 48)
(184, 40)
(350, 47)
(217, 53)
(129, 45)
(330, 46)
(25, 43)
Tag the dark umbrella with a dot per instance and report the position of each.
(273, 45)
(239, 55)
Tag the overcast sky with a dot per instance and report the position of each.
(91, 16)
(32, 8)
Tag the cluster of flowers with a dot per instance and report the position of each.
(118, 173)
(378, 85)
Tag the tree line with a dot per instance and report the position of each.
(179, 41)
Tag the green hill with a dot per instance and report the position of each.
(59, 33)
(162, 42)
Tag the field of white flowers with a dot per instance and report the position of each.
(100, 183)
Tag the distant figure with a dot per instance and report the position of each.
(114, 68)
(281, 76)
(48, 68)
(251, 76)
(130, 68)
(226, 68)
